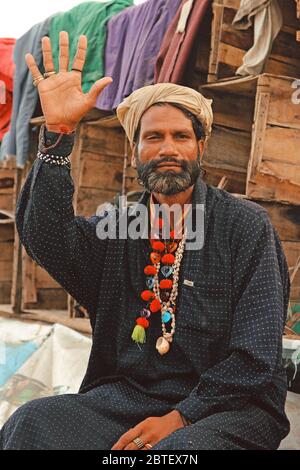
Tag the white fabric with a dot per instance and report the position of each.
(267, 24)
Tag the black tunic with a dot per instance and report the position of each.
(226, 352)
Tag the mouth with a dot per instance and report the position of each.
(169, 166)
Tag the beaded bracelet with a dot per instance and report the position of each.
(54, 159)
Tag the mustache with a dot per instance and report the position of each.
(153, 164)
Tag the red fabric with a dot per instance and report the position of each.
(175, 50)
(7, 68)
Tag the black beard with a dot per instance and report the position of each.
(168, 182)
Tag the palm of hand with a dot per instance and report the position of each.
(62, 100)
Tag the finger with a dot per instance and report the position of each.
(98, 87)
(63, 51)
(80, 56)
(125, 439)
(47, 55)
(31, 64)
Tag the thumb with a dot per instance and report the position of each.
(98, 86)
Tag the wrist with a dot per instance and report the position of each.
(177, 418)
(53, 143)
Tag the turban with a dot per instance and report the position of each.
(132, 108)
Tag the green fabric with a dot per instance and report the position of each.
(89, 18)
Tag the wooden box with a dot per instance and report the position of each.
(223, 54)
(6, 256)
(256, 137)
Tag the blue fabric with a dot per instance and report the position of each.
(15, 356)
(25, 95)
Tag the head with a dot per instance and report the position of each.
(168, 147)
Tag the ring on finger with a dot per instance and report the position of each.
(48, 74)
(37, 80)
(149, 446)
(139, 443)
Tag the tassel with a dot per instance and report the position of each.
(139, 334)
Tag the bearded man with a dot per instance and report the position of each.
(186, 350)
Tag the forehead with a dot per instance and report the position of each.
(165, 118)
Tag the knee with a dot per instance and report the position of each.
(28, 420)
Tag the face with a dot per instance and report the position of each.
(168, 155)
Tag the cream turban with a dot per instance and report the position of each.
(130, 111)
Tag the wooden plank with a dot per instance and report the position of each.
(228, 149)
(268, 187)
(105, 141)
(292, 252)
(6, 268)
(49, 299)
(5, 291)
(29, 278)
(43, 280)
(232, 110)
(6, 231)
(89, 199)
(16, 289)
(285, 218)
(102, 172)
(56, 316)
(217, 22)
(6, 251)
(258, 135)
(282, 145)
(281, 170)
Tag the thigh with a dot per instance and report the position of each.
(71, 421)
(93, 420)
(248, 429)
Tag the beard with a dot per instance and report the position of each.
(168, 182)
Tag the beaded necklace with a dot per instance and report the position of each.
(165, 258)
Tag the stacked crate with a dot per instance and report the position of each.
(254, 148)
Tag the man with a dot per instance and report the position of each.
(191, 363)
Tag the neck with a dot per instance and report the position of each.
(185, 197)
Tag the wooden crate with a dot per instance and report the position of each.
(298, 16)
(6, 256)
(256, 137)
(228, 45)
(7, 183)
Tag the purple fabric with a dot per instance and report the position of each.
(134, 37)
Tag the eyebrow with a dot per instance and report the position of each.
(176, 131)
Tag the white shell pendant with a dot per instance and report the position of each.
(162, 345)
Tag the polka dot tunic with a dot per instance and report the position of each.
(226, 352)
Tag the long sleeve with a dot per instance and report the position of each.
(261, 291)
(64, 245)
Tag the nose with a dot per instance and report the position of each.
(168, 148)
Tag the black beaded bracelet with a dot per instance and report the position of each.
(54, 159)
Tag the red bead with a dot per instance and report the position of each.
(158, 246)
(150, 270)
(154, 257)
(155, 306)
(172, 234)
(147, 295)
(168, 259)
(142, 322)
(166, 284)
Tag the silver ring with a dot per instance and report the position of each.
(48, 74)
(138, 443)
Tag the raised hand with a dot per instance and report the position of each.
(62, 100)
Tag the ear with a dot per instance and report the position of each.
(133, 158)
(201, 144)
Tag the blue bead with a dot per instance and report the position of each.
(150, 282)
(166, 270)
(166, 317)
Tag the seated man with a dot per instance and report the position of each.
(187, 340)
